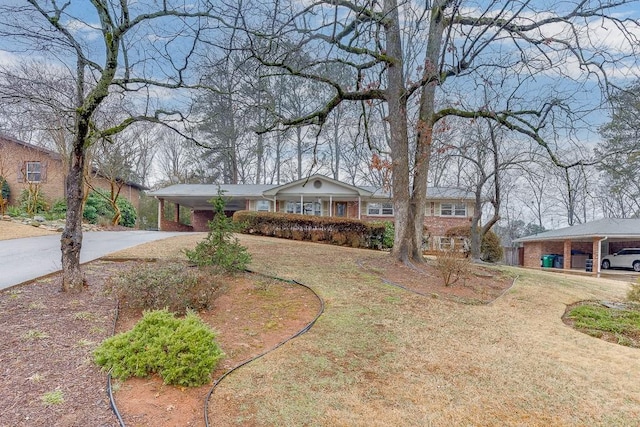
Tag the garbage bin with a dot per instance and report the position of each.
(588, 265)
(558, 261)
(547, 261)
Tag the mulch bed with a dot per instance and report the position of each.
(48, 338)
(46, 345)
(481, 286)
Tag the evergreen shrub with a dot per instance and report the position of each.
(5, 190)
(220, 249)
(33, 202)
(98, 206)
(183, 352)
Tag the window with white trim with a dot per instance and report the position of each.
(453, 209)
(445, 243)
(310, 208)
(313, 208)
(263, 205)
(383, 209)
(33, 171)
(293, 207)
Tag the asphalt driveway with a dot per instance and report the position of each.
(26, 259)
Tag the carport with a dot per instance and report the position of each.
(580, 243)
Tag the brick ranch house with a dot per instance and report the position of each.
(23, 164)
(316, 195)
(592, 240)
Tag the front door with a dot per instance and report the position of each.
(341, 208)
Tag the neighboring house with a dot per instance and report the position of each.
(23, 165)
(589, 241)
(317, 195)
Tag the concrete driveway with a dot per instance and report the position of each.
(27, 259)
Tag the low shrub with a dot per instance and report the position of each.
(15, 211)
(389, 235)
(5, 190)
(633, 294)
(32, 201)
(220, 249)
(99, 207)
(182, 351)
(173, 285)
(58, 210)
(452, 266)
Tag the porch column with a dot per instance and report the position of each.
(595, 249)
(301, 204)
(330, 205)
(160, 212)
(567, 255)
(359, 208)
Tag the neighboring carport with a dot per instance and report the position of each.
(579, 243)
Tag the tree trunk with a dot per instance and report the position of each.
(411, 228)
(71, 241)
(299, 150)
(476, 237)
(403, 245)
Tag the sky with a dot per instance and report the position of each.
(604, 39)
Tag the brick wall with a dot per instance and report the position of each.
(14, 155)
(617, 246)
(200, 220)
(169, 225)
(533, 251)
(438, 225)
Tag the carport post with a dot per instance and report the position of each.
(597, 254)
(160, 210)
(567, 255)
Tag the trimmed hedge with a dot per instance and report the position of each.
(336, 231)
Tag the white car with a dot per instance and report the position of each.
(626, 258)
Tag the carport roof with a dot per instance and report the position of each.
(615, 228)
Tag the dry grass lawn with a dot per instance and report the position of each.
(382, 356)
(12, 230)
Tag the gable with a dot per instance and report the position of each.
(316, 185)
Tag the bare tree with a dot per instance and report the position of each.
(488, 155)
(449, 46)
(620, 153)
(108, 49)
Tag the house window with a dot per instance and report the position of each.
(308, 208)
(33, 171)
(385, 209)
(263, 206)
(314, 208)
(445, 243)
(293, 207)
(453, 209)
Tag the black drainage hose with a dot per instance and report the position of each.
(112, 400)
(241, 364)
